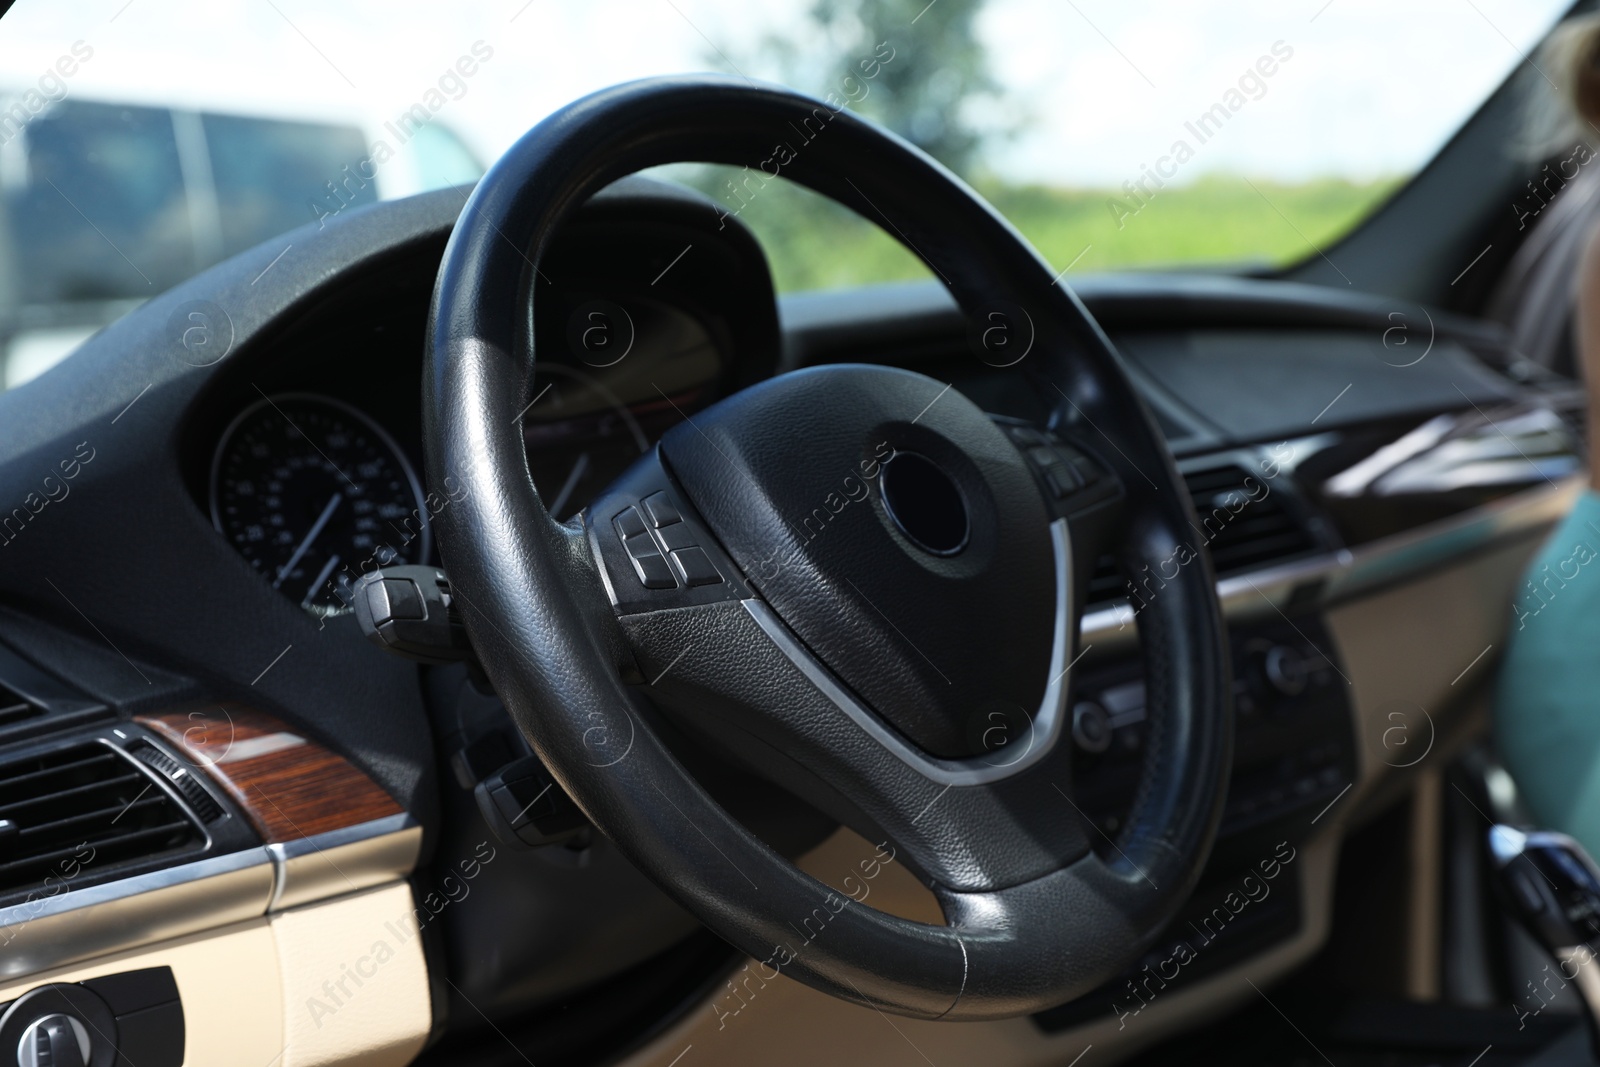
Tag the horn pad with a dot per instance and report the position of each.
(895, 529)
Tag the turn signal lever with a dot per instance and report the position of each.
(411, 612)
(1553, 887)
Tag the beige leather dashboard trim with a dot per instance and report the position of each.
(53, 929)
(48, 931)
(355, 986)
(786, 1024)
(1414, 652)
(227, 980)
(340, 982)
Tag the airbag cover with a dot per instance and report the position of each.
(787, 474)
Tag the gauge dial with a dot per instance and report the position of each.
(314, 494)
(580, 436)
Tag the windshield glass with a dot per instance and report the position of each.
(143, 140)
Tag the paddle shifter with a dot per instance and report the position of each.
(1553, 887)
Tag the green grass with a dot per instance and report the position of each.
(813, 243)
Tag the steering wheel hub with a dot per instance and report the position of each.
(786, 476)
(924, 503)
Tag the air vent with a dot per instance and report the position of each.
(1243, 519)
(1243, 523)
(15, 708)
(1105, 584)
(79, 811)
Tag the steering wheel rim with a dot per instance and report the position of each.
(1034, 916)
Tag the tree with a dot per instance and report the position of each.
(927, 93)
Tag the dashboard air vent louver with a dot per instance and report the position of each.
(15, 708)
(1243, 519)
(1244, 525)
(80, 810)
(1105, 584)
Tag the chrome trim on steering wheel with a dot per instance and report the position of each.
(1047, 724)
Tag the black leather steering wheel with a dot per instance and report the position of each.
(848, 576)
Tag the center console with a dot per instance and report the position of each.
(1294, 756)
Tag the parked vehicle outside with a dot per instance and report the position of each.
(107, 204)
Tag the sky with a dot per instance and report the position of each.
(1370, 88)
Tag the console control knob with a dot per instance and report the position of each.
(1091, 727)
(54, 1041)
(1286, 670)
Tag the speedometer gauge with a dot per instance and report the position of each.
(313, 494)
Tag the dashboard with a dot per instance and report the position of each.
(313, 477)
(1333, 476)
(309, 490)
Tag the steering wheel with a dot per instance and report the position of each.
(848, 576)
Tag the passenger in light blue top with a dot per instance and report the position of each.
(1547, 715)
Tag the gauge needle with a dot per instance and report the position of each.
(316, 586)
(311, 535)
(579, 469)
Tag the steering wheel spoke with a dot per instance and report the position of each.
(730, 677)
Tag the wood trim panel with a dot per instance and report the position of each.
(288, 786)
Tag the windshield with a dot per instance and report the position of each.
(143, 140)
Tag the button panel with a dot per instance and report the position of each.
(652, 569)
(695, 567)
(675, 537)
(657, 534)
(1294, 752)
(661, 509)
(1067, 473)
(654, 551)
(629, 523)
